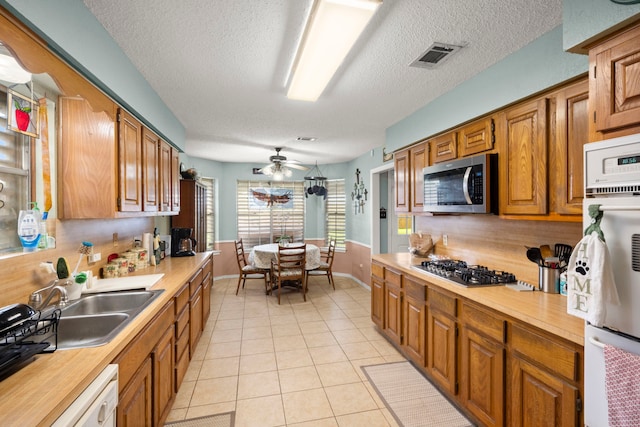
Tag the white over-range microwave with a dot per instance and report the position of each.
(467, 185)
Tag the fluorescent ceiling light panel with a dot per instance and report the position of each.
(332, 29)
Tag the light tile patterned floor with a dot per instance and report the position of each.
(294, 364)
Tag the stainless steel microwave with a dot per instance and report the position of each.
(467, 185)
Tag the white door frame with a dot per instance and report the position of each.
(375, 205)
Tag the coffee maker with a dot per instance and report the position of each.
(182, 244)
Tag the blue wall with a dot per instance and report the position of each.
(585, 19)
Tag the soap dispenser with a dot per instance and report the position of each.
(29, 228)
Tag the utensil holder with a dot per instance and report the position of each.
(549, 280)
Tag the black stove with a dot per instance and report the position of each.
(466, 275)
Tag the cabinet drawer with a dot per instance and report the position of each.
(415, 289)
(548, 352)
(442, 302)
(195, 282)
(182, 321)
(377, 270)
(182, 342)
(484, 322)
(182, 298)
(182, 364)
(392, 277)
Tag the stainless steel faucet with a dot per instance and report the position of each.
(35, 300)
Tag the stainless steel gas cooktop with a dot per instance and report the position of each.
(466, 275)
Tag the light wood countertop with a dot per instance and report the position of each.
(542, 310)
(40, 392)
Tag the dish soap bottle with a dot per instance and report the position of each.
(29, 228)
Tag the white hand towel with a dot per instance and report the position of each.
(590, 282)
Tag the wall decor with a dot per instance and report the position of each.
(386, 156)
(359, 194)
(22, 114)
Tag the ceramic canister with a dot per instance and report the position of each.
(110, 270)
(123, 266)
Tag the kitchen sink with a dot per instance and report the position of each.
(96, 319)
(109, 303)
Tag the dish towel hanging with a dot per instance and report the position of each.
(590, 282)
(622, 381)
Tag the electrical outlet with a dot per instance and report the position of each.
(93, 258)
(445, 240)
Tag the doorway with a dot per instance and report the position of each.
(390, 234)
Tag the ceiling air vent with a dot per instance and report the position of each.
(435, 55)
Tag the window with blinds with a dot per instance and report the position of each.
(210, 214)
(267, 211)
(335, 206)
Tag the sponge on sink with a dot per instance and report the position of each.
(62, 268)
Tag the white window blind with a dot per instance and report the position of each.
(268, 210)
(209, 183)
(335, 205)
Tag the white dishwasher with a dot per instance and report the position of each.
(96, 406)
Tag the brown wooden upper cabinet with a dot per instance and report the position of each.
(444, 147)
(477, 137)
(409, 181)
(523, 159)
(566, 148)
(614, 66)
(150, 171)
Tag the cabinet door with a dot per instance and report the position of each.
(195, 319)
(150, 173)
(392, 313)
(175, 181)
(87, 159)
(523, 183)
(571, 133)
(538, 398)
(135, 405)
(482, 377)
(130, 162)
(617, 82)
(419, 160)
(166, 186)
(415, 329)
(477, 137)
(207, 284)
(441, 350)
(163, 376)
(402, 180)
(377, 301)
(444, 147)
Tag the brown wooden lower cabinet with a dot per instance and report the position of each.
(500, 371)
(135, 401)
(154, 363)
(441, 361)
(538, 398)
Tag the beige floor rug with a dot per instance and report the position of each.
(411, 398)
(219, 420)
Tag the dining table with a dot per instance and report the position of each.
(262, 255)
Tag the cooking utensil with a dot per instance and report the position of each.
(546, 251)
(563, 252)
(534, 255)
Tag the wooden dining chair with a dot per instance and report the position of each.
(289, 268)
(326, 264)
(248, 271)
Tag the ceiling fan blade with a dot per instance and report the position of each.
(295, 166)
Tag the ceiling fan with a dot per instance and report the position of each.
(279, 168)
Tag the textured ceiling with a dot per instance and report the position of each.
(220, 67)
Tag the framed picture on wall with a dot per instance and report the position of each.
(22, 114)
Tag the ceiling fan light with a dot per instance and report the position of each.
(287, 172)
(331, 31)
(268, 170)
(278, 175)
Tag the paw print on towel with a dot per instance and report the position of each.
(581, 267)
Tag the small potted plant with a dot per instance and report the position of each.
(23, 115)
